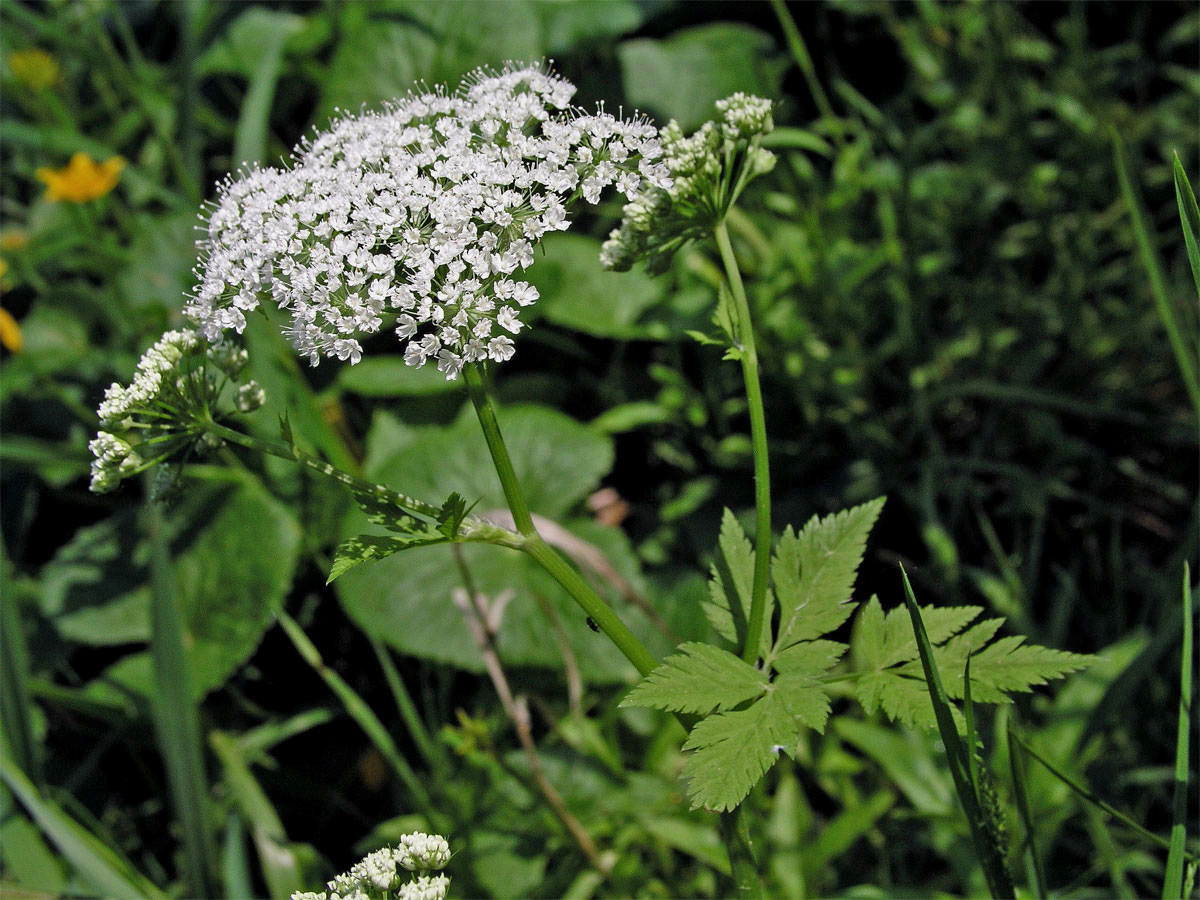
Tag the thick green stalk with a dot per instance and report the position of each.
(735, 832)
(548, 558)
(758, 439)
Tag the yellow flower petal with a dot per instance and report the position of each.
(10, 332)
(82, 180)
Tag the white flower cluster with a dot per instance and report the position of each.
(421, 216)
(708, 171)
(382, 873)
(162, 408)
(159, 362)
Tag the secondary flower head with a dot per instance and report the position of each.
(708, 172)
(420, 217)
(389, 873)
(164, 408)
(82, 180)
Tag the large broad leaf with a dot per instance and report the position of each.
(234, 549)
(408, 600)
(577, 293)
(386, 47)
(682, 76)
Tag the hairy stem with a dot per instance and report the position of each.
(758, 439)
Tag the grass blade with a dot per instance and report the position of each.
(1189, 217)
(176, 719)
(16, 711)
(98, 864)
(991, 856)
(280, 866)
(366, 719)
(1158, 287)
(1085, 794)
(1016, 762)
(1173, 880)
(433, 752)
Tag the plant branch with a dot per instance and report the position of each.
(758, 438)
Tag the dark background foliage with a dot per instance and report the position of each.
(952, 312)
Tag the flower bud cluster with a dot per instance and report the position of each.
(164, 406)
(708, 171)
(382, 873)
(421, 217)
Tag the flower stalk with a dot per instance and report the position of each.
(542, 553)
(758, 440)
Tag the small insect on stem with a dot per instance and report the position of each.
(592, 625)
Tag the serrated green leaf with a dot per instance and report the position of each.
(809, 657)
(904, 700)
(805, 699)
(732, 575)
(451, 515)
(725, 316)
(732, 750)
(1009, 665)
(698, 680)
(882, 640)
(357, 550)
(814, 572)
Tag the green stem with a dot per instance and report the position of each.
(495, 442)
(545, 556)
(758, 438)
(409, 504)
(735, 832)
(804, 60)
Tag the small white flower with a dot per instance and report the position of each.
(425, 887)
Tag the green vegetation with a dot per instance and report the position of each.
(968, 281)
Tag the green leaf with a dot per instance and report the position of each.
(904, 700)
(1010, 665)
(698, 680)
(100, 866)
(390, 376)
(682, 76)
(577, 293)
(1189, 217)
(732, 750)
(386, 47)
(365, 547)
(813, 658)
(814, 571)
(234, 549)
(731, 575)
(883, 640)
(805, 699)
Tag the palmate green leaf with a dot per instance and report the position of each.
(698, 680)
(814, 571)
(731, 751)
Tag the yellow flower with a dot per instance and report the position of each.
(10, 332)
(82, 180)
(35, 68)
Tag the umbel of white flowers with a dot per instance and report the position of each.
(708, 171)
(177, 383)
(382, 873)
(421, 217)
